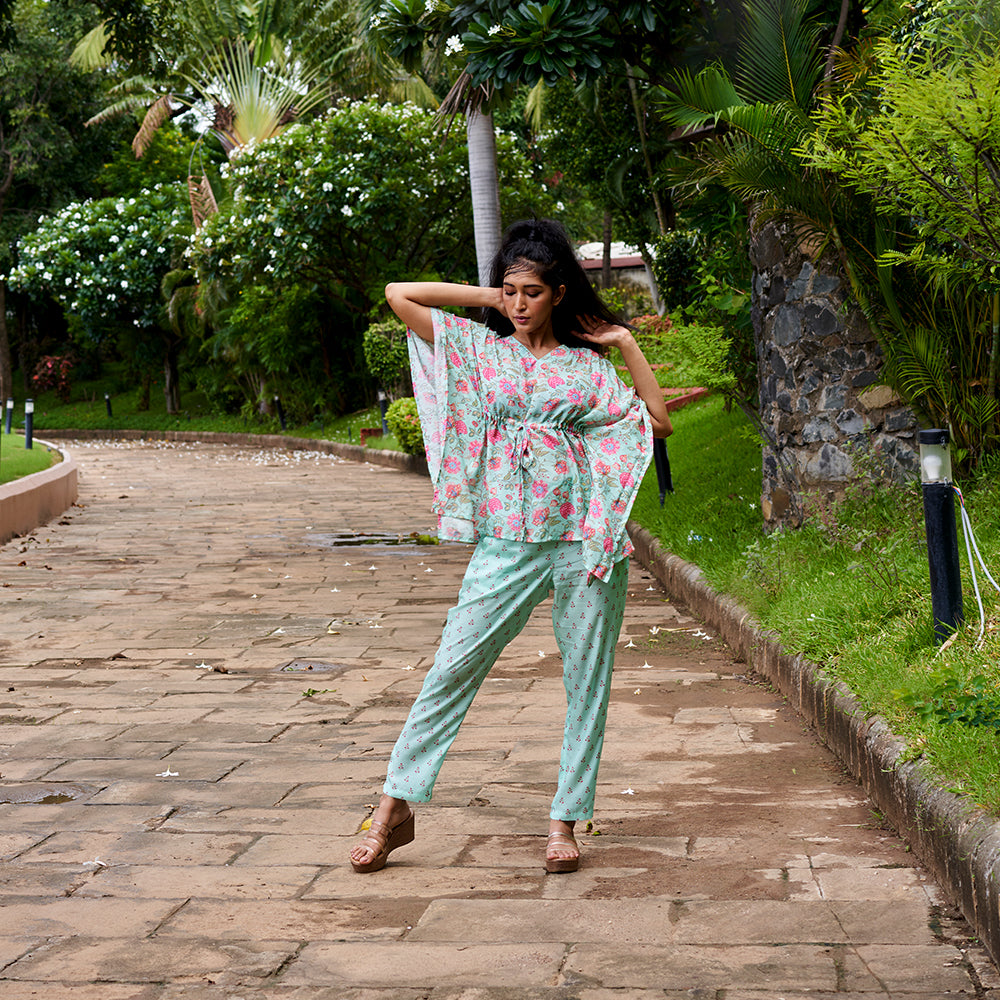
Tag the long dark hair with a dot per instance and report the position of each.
(542, 246)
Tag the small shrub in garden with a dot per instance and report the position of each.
(387, 356)
(52, 372)
(404, 424)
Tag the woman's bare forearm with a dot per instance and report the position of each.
(412, 301)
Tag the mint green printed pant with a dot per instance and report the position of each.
(503, 584)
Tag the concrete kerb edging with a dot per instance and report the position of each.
(356, 453)
(958, 842)
(33, 500)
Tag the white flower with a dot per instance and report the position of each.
(327, 186)
(453, 45)
(494, 30)
(347, 210)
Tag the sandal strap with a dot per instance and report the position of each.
(566, 838)
(377, 837)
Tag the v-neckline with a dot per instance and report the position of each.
(528, 350)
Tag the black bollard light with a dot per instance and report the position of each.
(10, 415)
(942, 534)
(281, 412)
(107, 404)
(29, 422)
(383, 405)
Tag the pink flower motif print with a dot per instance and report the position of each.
(609, 446)
(539, 488)
(494, 505)
(540, 516)
(566, 509)
(596, 508)
(452, 490)
(555, 381)
(452, 464)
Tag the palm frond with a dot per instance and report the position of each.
(88, 54)
(534, 106)
(202, 198)
(780, 59)
(697, 99)
(159, 111)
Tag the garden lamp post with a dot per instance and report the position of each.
(383, 405)
(29, 422)
(10, 415)
(942, 535)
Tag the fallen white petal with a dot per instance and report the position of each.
(202, 666)
(646, 666)
(630, 644)
(168, 774)
(628, 791)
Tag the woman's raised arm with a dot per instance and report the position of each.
(412, 301)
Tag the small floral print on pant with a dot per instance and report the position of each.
(503, 584)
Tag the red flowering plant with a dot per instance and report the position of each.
(52, 372)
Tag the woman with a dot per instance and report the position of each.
(536, 449)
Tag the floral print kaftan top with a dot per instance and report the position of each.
(531, 449)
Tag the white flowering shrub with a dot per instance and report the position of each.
(370, 193)
(103, 261)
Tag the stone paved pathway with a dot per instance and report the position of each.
(201, 685)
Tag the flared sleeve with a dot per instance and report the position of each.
(618, 444)
(446, 386)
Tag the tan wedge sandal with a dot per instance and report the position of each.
(561, 865)
(381, 840)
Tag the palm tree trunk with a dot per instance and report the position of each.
(485, 189)
(606, 257)
(6, 366)
(171, 377)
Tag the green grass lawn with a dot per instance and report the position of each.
(850, 589)
(17, 461)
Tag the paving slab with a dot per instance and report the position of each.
(199, 700)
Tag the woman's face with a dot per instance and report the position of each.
(529, 301)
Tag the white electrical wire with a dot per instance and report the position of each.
(970, 545)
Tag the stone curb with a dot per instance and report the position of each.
(958, 842)
(374, 456)
(33, 500)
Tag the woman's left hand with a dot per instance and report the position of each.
(596, 331)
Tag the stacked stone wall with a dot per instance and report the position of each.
(821, 405)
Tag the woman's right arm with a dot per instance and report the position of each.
(412, 301)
